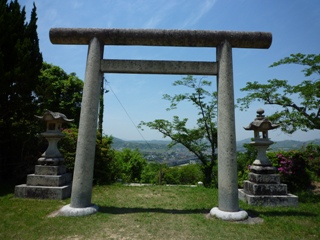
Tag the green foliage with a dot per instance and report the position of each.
(312, 158)
(188, 174)
(244, 160)
(191, 174)
(20, 64)
(202, 139)
(67, 146)
(170, 175)
(59, 91)
(303, 114)
(106, 169)
(297, 168)
(131, 164)
(150, 173)
(292, 170)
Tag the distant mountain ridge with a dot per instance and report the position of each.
(161, 145)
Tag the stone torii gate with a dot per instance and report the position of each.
(223, 41)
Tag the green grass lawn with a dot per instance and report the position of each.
(153, 212)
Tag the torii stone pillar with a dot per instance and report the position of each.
(224, 41)
(227, 160)
(83, 169)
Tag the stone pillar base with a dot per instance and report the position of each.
(76, 212)
(229, 216)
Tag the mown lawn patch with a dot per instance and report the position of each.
(152, 212)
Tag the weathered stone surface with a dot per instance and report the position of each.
(269, 200)
(263, 169)
(84, 163)
(43, 192)
(227, 162)
(160, 37)
(264, 189)
(50, 170)
(49, 180)
(264, 178)
(159, 67)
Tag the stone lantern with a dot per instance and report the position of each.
(53, 134)
(50, 179)
(263, 186)
(261, 142)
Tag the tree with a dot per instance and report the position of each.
(300, 103)
(59, 91)
(20, 64)
(202, 139)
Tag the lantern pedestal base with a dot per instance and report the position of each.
(48, 182)
(287, 200)
(266, 190)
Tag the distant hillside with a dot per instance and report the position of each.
(161, 145)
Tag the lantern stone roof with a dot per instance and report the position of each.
(49, 116)
(261, 122)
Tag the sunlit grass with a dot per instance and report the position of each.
(152, 212)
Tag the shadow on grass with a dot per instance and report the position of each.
(289, 213)
(279, 213)
(124, 210)
(308, 197)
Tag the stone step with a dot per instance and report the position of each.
(264, 178)
(269, 200)
(49, 180)
(264, 189)
(50, 170)
(43, 192)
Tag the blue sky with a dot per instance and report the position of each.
(295, 26)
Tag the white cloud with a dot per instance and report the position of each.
(195, 16)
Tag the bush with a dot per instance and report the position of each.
(150, 173)
(131, 164)
(312, 158)
(191, 174)
(292, 170)
(188, 174)
(244, 160)
(106, 170)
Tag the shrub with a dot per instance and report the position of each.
(244, 160)
(312, 158)
(188, 174)
(150, 173)
(106, 170)
(191, 174)
(291, 166)
(131, 164)
(171, 175)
